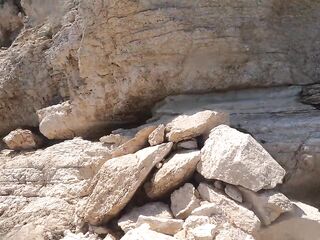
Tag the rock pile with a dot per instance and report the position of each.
(188, 178)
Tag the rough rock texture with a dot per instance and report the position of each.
(236, 158)
(118, 180)
(144, 233)
(157, 136)
(162, 225)
(22, 139)
(174, 172)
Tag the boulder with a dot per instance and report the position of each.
(192, 125)
(174, 172)
(238, 159)
(154, 209)
(233, 192)
(184, 200)
(157, 136)
(236, 214)
(118, 180)
(144, 233)
(22, 140)
(162, 225)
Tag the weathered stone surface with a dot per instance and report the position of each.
(188, 144)
(236, 214)
(206, 209)
(268, 205)
(114, 140)
(184, 200)
(228, 232)
(157, 136)
(144, 233)
(204, 232)
(118, 180)
(236, 158)
(233, 192)
(22, 139)
(194, 124)
(79, 236)
(155, 209)
(191, 223)
(174, 172)
(162, 225)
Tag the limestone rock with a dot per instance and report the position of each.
(233, 192)
(157, 136)
(118, 180)
(204, 232)
(174, 172)
(22, 140)
(155, 209)
(236, 158)
(188, 144)
(191, 223)
(162, 225)
(236, 214)
(188, 126)
(184, 200)
(144, 233)
(268, 205)
(206, 209)
(229, 232)
(68, 235)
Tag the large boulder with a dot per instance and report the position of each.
(238, 159)
(22, 140)
(118, 180)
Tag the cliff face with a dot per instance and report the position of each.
(112, 59)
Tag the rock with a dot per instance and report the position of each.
(154, 209)
(206, 209)
(110, 237)
(191, 223)
(204, 232)
(162, 225)
(268, 205)
(174, 172)
(219, 185)
(188, 144)
(236, 158)
(157, 136)
(22, 140)
(79, 236)
(233, 192)
(122, 177)
(143, 233)
(229, 232)
(236, 214)
(188, 126)
(184, 201)
(114, 140)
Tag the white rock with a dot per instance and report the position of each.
(79, 236)
(233, 192)
(207, 209)
(188, 144)
(236, 214)
(188, 126)
(184, 200)
(204, 232)
(155, 209)
(191, 223)
(236, 158)
(229, 232)
(157, 136)
(162, 225)
(22, 140)
(118, 180)
(144, 233)
(174, 172)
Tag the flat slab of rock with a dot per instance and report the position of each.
(184, 200)
(144, 233)
(20, 139)
(155, 209)
(238, 159)
(162, 225)
(236, 214)
(157, 136)
(188, 126)
(174, 172)
(118, 180)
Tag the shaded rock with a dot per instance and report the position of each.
(155, 209)
(236, 158)
(157, 136)
(162, 225)
(144, 233)
(268, 205)
(118, 180)
(114, 140)
(184, 201)
(22, 140)
(188, 144)
(188, 126)
(174, 172)
(236, 214)
(233, 192)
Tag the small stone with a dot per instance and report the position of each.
(218, 185)
(144, 233)
(184, 201)
(204, 232)
(206, 209)
(22, 140)
(188, 144)
(157, 136)
(162, 225)
(188, 126)
(233, 192)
